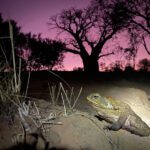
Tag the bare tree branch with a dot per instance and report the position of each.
(72, 51)
(145, 46)
(103, 55)
(141, 26)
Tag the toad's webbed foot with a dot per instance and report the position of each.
(115, 126)
(119, 123)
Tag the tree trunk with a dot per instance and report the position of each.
(90, 65)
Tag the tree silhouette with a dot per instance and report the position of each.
(129, 69)
(89, 30)
(19, 41)
(44, 52)
(144, 65)
(116, 66)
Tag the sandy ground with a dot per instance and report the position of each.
(80, 130)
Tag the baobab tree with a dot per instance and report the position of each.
(89, 30)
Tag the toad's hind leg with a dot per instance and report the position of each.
(117, 125)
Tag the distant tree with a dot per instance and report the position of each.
(79, 69)
(102, 66)
(144, 65)
(116, 66)
(44, 52)
(18, 39)
(129, 68)
(90, 29)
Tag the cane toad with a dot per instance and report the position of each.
(118, 114)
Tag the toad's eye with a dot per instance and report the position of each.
(95, 97)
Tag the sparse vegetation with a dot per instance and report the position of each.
(54, 93)
(10, 83)
(69, 100)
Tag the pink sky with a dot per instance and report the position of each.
(33, 16)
